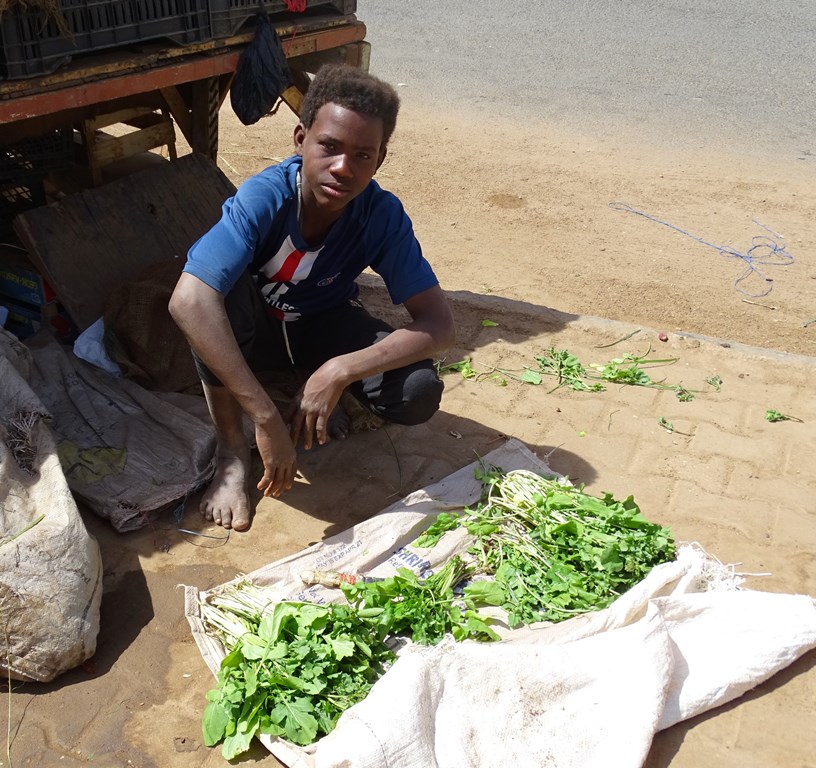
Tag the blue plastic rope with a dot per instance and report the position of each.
(178, 516)
(764, 251)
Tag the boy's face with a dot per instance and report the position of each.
(341, 151)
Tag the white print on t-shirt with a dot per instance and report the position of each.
(284, 270)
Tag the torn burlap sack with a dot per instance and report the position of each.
(142, 337)
(128, 453)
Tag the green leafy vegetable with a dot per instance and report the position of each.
(683, 395)
(715, 381)
(567, 368)
(629, 369)
(669, 427)
(292, 670)
(542, 550)
(465, 367)
(773, 415)
(556, 551)
(530, 376)
(425, 610)
(433, 533)
(624, 370)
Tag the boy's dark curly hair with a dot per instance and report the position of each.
(353, 89)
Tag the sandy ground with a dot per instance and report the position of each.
(516, 221)
(523, 212)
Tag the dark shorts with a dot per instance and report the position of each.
(408, 395)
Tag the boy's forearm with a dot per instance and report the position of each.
(402, 347)
(199, 312)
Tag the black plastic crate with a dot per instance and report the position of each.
(33, 44)
(23, 168)
(228, 16)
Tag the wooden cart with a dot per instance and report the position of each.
(154, 88)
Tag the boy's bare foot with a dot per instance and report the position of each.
(339, 424)
(226, 501)
(360, 418)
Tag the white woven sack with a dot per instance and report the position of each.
(590, 691)
(50, 566)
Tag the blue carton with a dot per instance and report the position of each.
(24, 320)
(22, 283)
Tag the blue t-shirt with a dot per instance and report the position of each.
(259, 231)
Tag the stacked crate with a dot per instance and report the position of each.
(228, 16)
(23, 168)
(36, 42)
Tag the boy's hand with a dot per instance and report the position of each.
(309, 413)
(278, 455)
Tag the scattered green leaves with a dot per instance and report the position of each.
(468, 371)
(683, 395)
(465, 367)
(715, 382)
(628, 369)
(529, 376)
(489, 324)
(567, 368)
(669, 427)
(622, 370)
(773, 415)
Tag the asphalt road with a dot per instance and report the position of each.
(738, 75)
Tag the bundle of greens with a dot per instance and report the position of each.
(292, 668)
(403, 605)
(554, 550)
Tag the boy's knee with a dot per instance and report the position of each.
(406, 396)
(422, 394)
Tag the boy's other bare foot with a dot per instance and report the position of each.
(226, 501)
(360, 418)
(339, 424)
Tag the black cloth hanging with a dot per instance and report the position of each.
(262, 74)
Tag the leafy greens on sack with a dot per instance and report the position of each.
(291, 672)
(402, 605)
(554, 549)
(293, 668)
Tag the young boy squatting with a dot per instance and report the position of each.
(271, 287)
